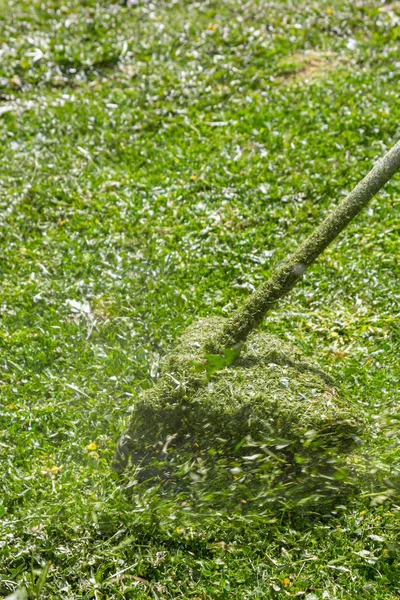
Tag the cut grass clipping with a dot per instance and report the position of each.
(156, 161)
(232, 438)
(263, 396)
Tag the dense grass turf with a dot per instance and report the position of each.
(157, 160)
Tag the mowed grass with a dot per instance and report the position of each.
(157, 160)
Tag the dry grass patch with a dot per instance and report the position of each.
(307, 66)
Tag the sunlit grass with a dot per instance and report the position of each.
(156, 161)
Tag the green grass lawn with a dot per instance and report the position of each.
(157, 160)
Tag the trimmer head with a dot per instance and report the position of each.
(270, 394)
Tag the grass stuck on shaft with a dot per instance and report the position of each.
(157, 161)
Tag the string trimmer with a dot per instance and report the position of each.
(214, 386)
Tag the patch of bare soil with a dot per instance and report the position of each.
(307, 66)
